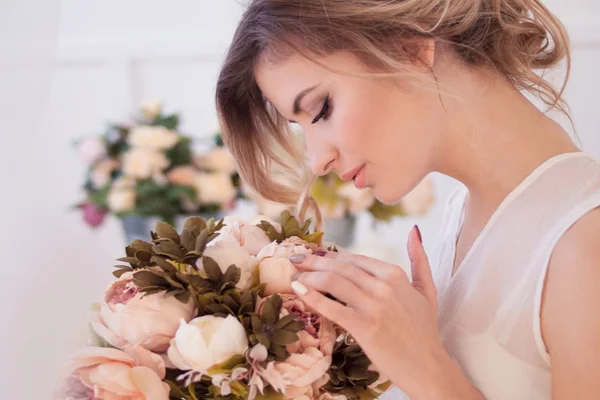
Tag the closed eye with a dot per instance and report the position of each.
(324, 113)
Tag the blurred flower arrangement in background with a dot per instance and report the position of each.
(149, 169)
(339, 199)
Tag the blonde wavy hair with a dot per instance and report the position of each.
(515, 37)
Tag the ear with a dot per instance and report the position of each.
(427, 52)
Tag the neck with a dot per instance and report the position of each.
(499, 139)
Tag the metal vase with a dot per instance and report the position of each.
(138, 227)
(340, 231)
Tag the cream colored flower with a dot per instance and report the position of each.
(250, 237)
(143, 164)
(122, 197)
(227, 252)
(214, 188)
(151, 109)
(420, 199)
(207, 341)
(184, 175)
(218, 159)
(105, 373)
(128, 317)
(101, 173)
(152, 137)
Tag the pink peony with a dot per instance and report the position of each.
(91, 149)
(305, 371)
(274, 267)
(92, 214)
(127, 317)
(103, 373)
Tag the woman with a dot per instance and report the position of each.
(389, 91)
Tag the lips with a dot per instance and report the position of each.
(350, 175)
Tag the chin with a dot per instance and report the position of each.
(387, 197)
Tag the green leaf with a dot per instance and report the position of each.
(188, 240)
(121, 271)
(233, 275)
(227, 366)
(143, 255)
(181, 153)
(183, 297)
(168, 248)
(140, 245)
(212, 268)
(99, 197)
(384, 386)
(271, 309)
(169, 121)
(165, 230)
(283, 337)
(146, 278)
(195, 224)
(286, 320)
(239, 389)
(176, 391)
(202, 241)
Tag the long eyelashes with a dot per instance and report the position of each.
(324, 113)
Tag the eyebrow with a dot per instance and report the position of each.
(299, 98)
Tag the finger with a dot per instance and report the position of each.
(339, 287)
(379, 269)
(422, 279)
(342, 315)
(357, 276)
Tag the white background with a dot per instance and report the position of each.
(111, 55)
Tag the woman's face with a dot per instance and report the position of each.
(379, 132)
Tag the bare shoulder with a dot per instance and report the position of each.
(570, 319)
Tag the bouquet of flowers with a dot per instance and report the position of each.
(209, 313)
(339, 199)
(148, 168)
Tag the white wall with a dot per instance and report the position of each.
(112, 55)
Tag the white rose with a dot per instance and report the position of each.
(214, 188)
(207, 341)
(420, 199)
(101, 173)
(228, 251)
(152, 137)
(143, 164)
(91, 150)
(121, 197)
(358, 200)
(151, 109)
(218, 159)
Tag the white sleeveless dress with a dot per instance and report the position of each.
(489, 311)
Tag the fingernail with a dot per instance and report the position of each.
(418, 231)
(295, 276)
(320, 253)
(297, 258)
(299, 288)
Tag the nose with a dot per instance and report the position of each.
(322, 154)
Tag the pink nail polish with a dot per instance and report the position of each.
(320, 253)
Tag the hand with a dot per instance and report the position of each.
(394, 320)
